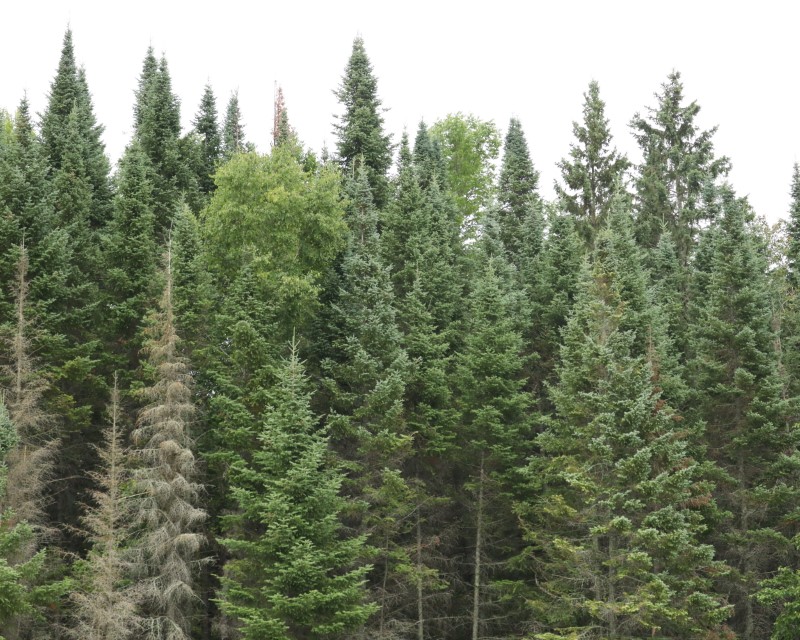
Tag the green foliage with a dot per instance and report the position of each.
(469, 147)
(206, 128)
(740, 394)
(517, 191)
(618, 510)
(361, 138)
(294, 574)
(233, 140)
(279, 221)
(592, 174)
(678, 163)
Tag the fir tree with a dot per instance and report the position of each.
(365, 386)
(206, 128)
(233, 140)
(361, 138)
(594, 169)
(494, 427)
(517, 190)
(793, 228)
(618, 513)
(294, 573)
(157, 130)
(739, 393)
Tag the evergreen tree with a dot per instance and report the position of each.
(517, 190)
(361, 138)
(69, 127)
(793, 228)
(157, 123)
(206, 128)
(282, 131)
(594, 169)
(167, 515)
(294, 572)
(739, 393)
(130, 254)
(233, 140)
(618, 513)
(365, 383)
(494, 429)
(551, 281)
(428, 158)
(678, 163)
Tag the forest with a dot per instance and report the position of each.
(390, 391)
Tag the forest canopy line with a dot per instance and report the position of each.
(390, 391)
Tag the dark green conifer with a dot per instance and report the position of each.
(617, 517)
(594, 169)
(793, 228)
(678, 163)
(366, 384)
(517, 191)
(740, 394)
(294, 572)
(361, 138)
(206, 128)
(233, 140)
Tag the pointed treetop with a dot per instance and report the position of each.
(793, 227)
(233, 131)
(360, 130)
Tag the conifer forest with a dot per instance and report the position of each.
(390, 391)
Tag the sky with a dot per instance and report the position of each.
(531, 60)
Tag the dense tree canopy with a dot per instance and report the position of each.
(281, 396)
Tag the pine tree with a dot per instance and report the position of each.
(294, 574)
(594, 169)
(517, 190)
(617, 516)
(206, 128)
(739, 393)
(678, 163)
(106, 609)
(233, 140)
(167, 514)
(360, 133)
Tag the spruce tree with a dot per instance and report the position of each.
(294, 573)
(593, 170)
(207, 130)
(167, 517)
(740, 394)
(678, 163)
(365, 384)
(70, 99)
(233, 140)
(131, 255)
(360, 135)
(494, 428)
(793, 228)
(157, 123)
(517, 190)
(617, 517)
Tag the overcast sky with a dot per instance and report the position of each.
(498, 59)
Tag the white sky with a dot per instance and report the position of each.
(532, 60)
